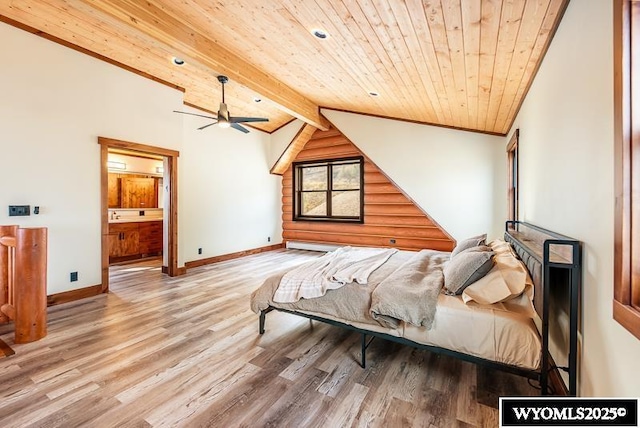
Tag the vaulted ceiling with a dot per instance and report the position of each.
(458, 63)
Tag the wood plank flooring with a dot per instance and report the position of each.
(185, 351)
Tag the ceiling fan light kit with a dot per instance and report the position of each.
(224, 119)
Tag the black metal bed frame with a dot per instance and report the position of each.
(543, 251)
(545, 274)
(531, 374)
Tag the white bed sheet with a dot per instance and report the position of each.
(486, 332)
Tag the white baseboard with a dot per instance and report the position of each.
(311, 246)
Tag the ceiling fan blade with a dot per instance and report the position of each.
(223, 118)
(240, 128)
(194, 114)
(223, 112)
(206, 126)
(247, 119)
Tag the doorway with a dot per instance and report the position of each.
(166, 193)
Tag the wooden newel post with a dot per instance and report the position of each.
(31, 281)
(6, 268)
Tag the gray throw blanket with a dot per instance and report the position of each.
(411, 292)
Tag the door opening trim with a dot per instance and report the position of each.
(170, 204)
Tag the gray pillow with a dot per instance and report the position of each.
(466, 268)
(469, 243)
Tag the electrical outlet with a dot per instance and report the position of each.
(268, 239)
(73, 276)
(392, 241)
(199, 250)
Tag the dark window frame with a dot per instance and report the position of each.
(296, 189)
(513, 178)
(626, 299)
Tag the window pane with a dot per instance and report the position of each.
(345, 203)
(314, 186)
(314, 203)
(346, 176)
(314, 178)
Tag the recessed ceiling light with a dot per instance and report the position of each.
(257, 99)
(374, 93)
(320, 34)
(177, 61)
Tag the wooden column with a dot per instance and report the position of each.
(31, 285)
(10, 232)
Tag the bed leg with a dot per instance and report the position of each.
(263, 316)
(363, 362)
(544, 382)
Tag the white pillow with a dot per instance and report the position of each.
(507, 279)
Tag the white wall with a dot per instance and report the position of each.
(55, 103)
(458, 177)
(566, 181)
(229, 202)
(280, 140)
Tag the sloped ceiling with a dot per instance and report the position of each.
(457, 63)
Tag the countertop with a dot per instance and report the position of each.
(134, 219)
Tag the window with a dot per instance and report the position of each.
(331, 190)
(512, 170)
(626, 303)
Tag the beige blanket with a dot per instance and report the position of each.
(411, 292)
(330, 272)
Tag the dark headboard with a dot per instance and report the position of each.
(534, 266)
(541, 249)
(554, 261)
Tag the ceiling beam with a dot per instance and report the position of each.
(295, 146)
(155, 22)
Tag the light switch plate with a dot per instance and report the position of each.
(19, 210)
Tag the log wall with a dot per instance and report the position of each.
(389, 215)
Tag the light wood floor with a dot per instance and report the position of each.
(185, 351)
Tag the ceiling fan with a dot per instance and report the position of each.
(224, 120)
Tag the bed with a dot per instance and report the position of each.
(508, 335)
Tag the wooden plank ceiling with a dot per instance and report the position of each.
(458, 63)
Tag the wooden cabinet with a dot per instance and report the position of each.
(150, 237)
(132, 191)
(130, 241)
(136, 192)
(123, 239)
(114, 190)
